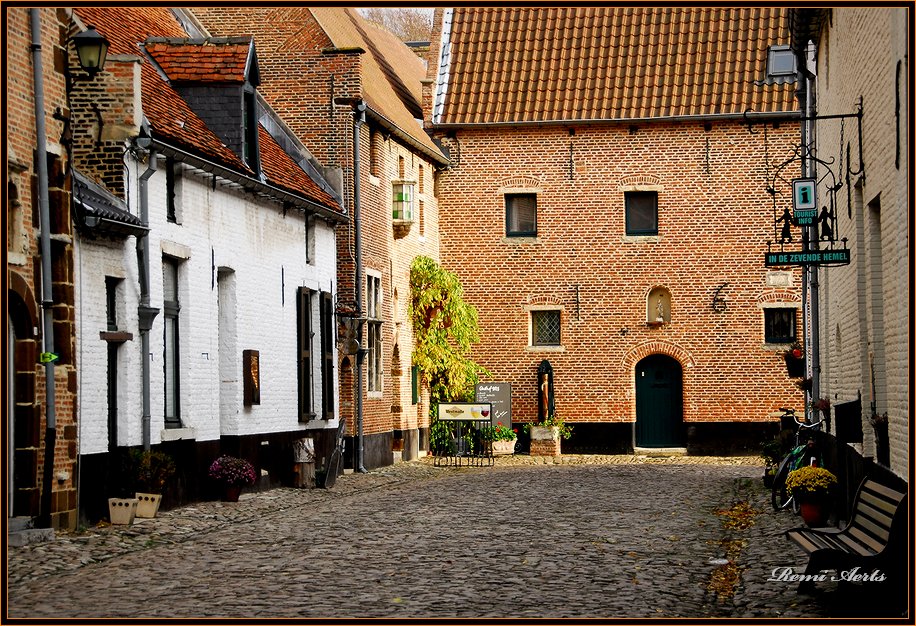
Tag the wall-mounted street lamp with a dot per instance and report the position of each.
(92, 50)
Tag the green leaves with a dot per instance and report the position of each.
(444, 329)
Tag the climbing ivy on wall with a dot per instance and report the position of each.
(444, 329)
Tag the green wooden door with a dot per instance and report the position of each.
(659, 403)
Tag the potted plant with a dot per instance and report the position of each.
(151, 469)
(546, 435)
(500, 437)
(812, 488)
(232, 473)
(795, 360)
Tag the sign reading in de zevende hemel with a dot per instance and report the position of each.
(465, 411)
(804, 201)
(812, 257)
(499, 395)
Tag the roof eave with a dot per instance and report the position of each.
(252, 184)
(757, 117)
(403, 135)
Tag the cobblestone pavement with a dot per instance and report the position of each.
(595, 536)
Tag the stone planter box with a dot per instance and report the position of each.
(545, 441)
(148, 504)
(122, 510)
(503, 447)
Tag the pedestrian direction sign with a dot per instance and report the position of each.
(811, 257)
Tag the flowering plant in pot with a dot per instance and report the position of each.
(499, 432)
(812, 487)
(232, 473)
(811, 483)
(795, 360)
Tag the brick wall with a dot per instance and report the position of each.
(865, 305)
(24, 268)
(715, 218)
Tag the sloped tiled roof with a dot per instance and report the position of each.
(215, 60)
(391, 72)
(505, 65)
(128, 29)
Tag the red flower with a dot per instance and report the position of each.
(797, 353)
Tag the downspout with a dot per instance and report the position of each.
(145, 312)
(809, 272)
(359, 118)
(47, 292)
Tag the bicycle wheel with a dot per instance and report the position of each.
(330, 476)
(780, 497)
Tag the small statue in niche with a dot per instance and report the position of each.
(660, 309)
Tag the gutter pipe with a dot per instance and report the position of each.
(359, 118)
(145, 312)
(47, 292)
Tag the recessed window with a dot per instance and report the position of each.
(304, 340)
(172, 190)
(780, 61)
(171, 363)
(374, 332)
(250, 130)
(545, 328)
(521, 215)
(641, 212)
(779, 325)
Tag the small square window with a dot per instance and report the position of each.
(779, 325)
(545, 328)
(641, 212)
(521, 215)
(780, 61)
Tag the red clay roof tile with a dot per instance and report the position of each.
(171, 118)
(554, 64)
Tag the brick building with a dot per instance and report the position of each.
(327, 72)
(607, 211)
(40, 458)
(858, 57)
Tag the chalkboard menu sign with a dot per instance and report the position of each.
(500, 396)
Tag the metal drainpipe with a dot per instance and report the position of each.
(47, 293)
(359, 118)
(810, 284)
(145, 312)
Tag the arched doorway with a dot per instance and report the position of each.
(659, 403)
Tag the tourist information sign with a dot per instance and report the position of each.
(804, 201)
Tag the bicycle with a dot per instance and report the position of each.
(805, 452)
(333, 467)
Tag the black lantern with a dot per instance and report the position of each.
(92, 49)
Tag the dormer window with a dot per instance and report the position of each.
(250, 132)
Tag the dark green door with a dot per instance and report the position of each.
(659, 403)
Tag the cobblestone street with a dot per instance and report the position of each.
(596, 537)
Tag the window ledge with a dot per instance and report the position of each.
(177, 434)
(374, 180)
(776, 347)
(521, 240)
(375, 395)
(545, 349)
(640, 239)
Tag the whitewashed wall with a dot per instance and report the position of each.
(263, 252)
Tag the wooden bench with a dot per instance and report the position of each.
(874, 538)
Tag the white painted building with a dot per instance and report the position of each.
(189, 176)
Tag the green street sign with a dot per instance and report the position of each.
(812, 257)
(47, 357)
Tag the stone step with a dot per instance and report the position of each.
(22, 532)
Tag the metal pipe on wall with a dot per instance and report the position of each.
(359, 118)
(145, 312)
(47, 301)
